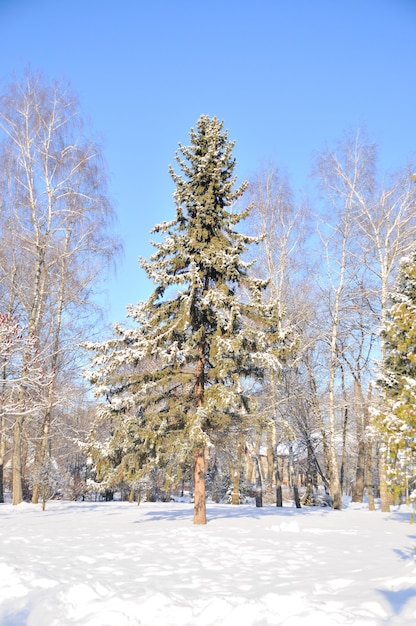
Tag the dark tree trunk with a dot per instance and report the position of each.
(358, 484)
(293, 478)
(259, 485)
(279, 493)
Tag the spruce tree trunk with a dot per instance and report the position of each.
(235, 473)
(200, 513)
(235, 494)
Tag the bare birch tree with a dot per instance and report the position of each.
(279, 258)
(338, 235)
(54, 194)
(379, 219)
(388, 232)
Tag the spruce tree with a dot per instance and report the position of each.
(397, 418)
(204, 334)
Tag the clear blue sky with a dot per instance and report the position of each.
(286, 76)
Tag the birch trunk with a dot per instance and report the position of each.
(334, 479)
(17, 484)
(44, 436)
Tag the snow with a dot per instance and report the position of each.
(119, 564)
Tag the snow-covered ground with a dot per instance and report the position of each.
(119, 564)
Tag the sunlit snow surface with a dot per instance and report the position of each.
(119, 564)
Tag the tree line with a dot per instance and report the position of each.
(324, 275)
(266, 355)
